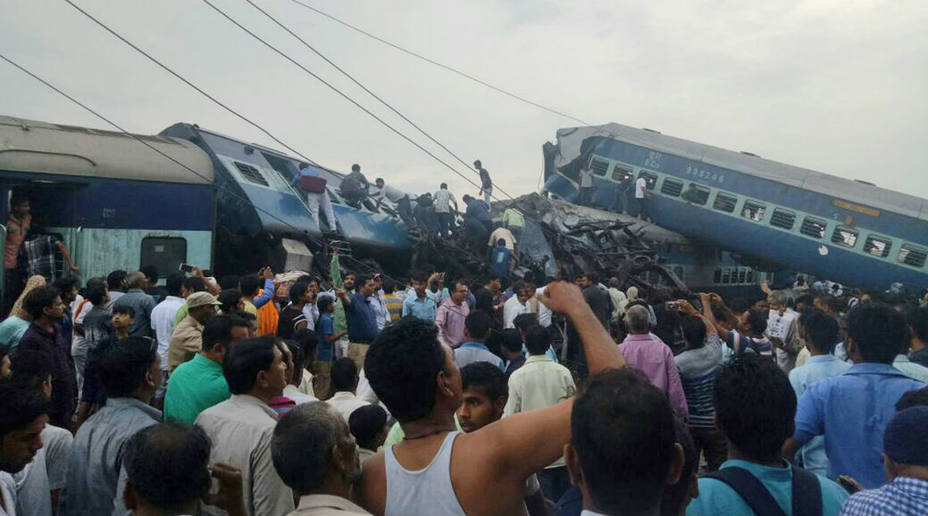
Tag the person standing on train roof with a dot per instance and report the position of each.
(17, 227)
(317, 195)
(442, 201)
(486, 185)
(586, 187)
(397, 197)
(354, 187)
(643, 198)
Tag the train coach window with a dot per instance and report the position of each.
(877, 246)
(725, 202)
(620, 173)
(845, 237)
(251, 174)
(754, 210)
(912, 255)
(696, 194)
(782, 219)
(650, 178)
(165, 253)
(672, 187)
(813, 227)
(599, 167)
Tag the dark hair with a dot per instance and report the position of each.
(486, 376)
(307, 340)
(125, 310)
(297, 291)
(916, 398)
(18, 198)
(344, 374)
(694, 331)
(537, 340)
(246, 316)
(249, 285)
(831, 302)
(419, 276)
(218, 330)
(229, 281)
(296, 354)
(195, 284)
(123, 365)
(324, 302)
(757, 321)
(302, 445)
(525, 321)
(672, 501)
(879, 332)
(166, 464)
(360, 279)
(820, 328)
(478, 324)
(805, 299)
(228, 300)
(245, 360)
(511, 340)
(30, 368)
(739, 305)
(19, 407)
(918, 321)
(623, 433)
(115, 279)
(174, 282)
(755, 406)
(37, 300)
(355, 168)
(389, 286)
(66, 284)
(96, 291)
(443, 186)
(365, 423)
(150, 272)
(402, 366)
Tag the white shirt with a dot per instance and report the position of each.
(8, 488)
(57, 445)
(346, 403)
(293, 392)
(538, 384)
(241, 429)
(393, 194)
(511, 309)
(442, 200)
(162, 321)
(586, 178)
(506, 235)
(779, 326)
(911, 369)
(544, 313)
(311, 312)
(640, 186)
(78, 312)
(381, 314)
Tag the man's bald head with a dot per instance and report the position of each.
(638, 319)
(301, 448)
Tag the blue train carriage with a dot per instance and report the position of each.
(798, 219)
(113, 201)
(263, 218)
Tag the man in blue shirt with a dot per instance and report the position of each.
(820, 333)
(853, 409)
(477, 219)
(476, 330)
(754, 406)
(420, 305)
(500, 257)
(362, 320)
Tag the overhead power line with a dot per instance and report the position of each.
(441, 65)
(189, 83)
(365, 88)
(339, 92)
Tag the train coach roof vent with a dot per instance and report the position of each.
(861, 181)
(650, 130)
(746, 153)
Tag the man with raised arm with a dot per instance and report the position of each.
(437, 471)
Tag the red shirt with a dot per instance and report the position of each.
(15, 234)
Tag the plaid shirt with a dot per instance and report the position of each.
(904, 496)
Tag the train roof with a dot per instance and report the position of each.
(42, 147)
(570, 140)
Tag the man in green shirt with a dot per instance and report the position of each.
(199, 383)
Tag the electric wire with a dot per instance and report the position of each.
(440, 65)
(339, 92)
(365, 88)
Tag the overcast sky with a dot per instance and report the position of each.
(833, 85)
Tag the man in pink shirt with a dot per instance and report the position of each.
(649, 355)
(451, 315)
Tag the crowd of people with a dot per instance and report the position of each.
(274, 394)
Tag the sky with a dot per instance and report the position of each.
(830, 85)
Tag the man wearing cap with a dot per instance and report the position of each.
(905, 458)
(187, 338)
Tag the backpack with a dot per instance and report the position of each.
(312, 184)
(806, 491)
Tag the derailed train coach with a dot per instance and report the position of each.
(120, 201)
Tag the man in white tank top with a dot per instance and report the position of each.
(437, 471)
